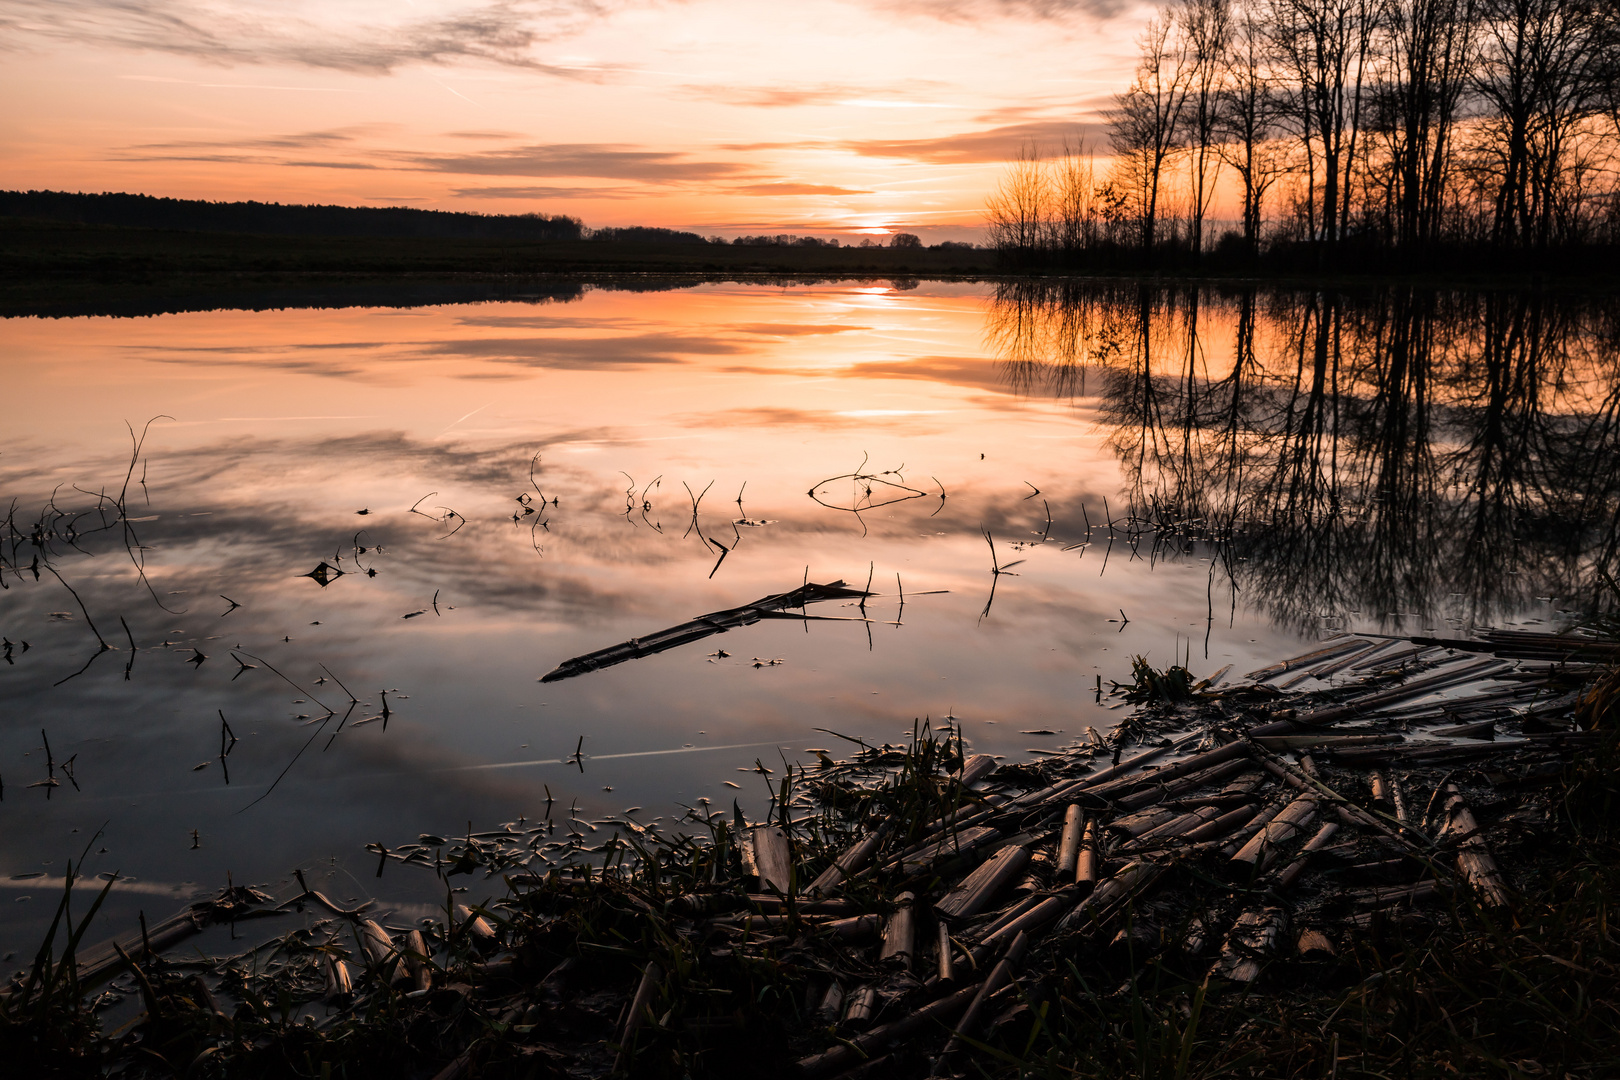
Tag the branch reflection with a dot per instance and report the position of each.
(1368, 455)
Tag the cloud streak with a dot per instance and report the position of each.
(502, 32)
(612, 161)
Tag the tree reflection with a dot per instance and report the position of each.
(1372, 455)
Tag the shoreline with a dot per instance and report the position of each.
(53, 270)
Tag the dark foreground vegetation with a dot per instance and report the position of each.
(1239, 881)
(1346, 135)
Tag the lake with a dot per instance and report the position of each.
(1209, 476)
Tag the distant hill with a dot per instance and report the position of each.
(276, 219)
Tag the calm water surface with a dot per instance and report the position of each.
(577, 468)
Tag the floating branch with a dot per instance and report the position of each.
(770, 607)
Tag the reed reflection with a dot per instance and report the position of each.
(1365, 456)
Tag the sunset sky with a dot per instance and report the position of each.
(823, 116)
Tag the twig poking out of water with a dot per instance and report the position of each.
(227, 743)
(997, 568)
(871, 491)
(87, 620)
(449, 515)
(324, 574)
(228, 600)
(696, 500)
(130, 665)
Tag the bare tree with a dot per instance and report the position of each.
(1427, 46)
(1247, 121)
(1075, 213)
(1018, 209)
(1541, 73)
(1321, 47)
(1208, 28)
(1146, 121)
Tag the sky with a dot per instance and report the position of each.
(823, 117)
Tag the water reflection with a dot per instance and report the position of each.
(697, 450)
(1370, 456)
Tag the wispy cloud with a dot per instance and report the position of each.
(993, 144)
(613, 161)
(784, 187)
(975, 11)
(348, 148)
(331, 37)
(776, 96)
(542, 191)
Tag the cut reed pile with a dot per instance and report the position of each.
(1354, 877)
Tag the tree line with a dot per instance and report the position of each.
(281, 219)
(1340, 133)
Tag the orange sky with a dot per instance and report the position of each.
(723, 116)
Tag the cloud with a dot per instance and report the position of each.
(312, 35)
(544, 192)
(797, 329)
(354, 358)
(783, 187)
(991, 145)
(614, 161)
(826, 93)
(975, 11)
